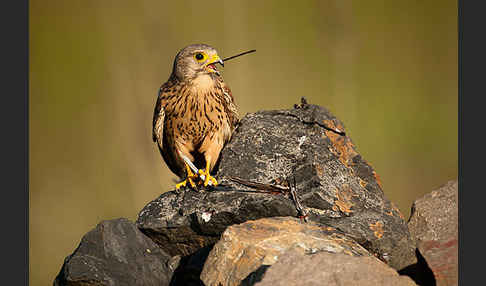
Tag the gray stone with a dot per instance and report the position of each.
(434, 225)
(331, 269)
(116, 253)
(334, 184)
(245, 248)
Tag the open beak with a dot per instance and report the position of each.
(211, 65)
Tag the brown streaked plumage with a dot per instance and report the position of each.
(195, 114)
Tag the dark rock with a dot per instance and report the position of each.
(332, 269)
(434, 225)
(190, 267)
(183, 222)
(246, 250)
(116, 253)
(334, 184)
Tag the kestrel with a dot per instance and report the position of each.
(195, 115)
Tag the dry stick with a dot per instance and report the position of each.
(303, 104)
(337, 131)
(260, 186)
(276, 189)
(298, 206)
(244, 53)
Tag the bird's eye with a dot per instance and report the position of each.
(200, 57)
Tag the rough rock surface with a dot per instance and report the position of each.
(334, 184)
(434, 225)
(116, 253)
(245, 248)
(331, 269)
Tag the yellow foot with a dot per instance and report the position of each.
(207, 178)
(184, 183)
(189, 178)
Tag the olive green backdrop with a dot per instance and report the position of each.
(387, 69)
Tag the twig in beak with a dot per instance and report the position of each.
(244, 53)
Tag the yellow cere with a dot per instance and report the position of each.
(214, 59)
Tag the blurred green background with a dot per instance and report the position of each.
(387, 69)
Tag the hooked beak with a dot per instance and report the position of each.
(211, 64)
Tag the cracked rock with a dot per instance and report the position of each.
(245, 250)
(335, 186)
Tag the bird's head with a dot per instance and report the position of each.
(196, 60)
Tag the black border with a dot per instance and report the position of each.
(15, 144)
(471, 76)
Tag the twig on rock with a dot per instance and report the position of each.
(301, 210)
(259, 186)
(276, 189)
(337, 131)
(304, 105)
